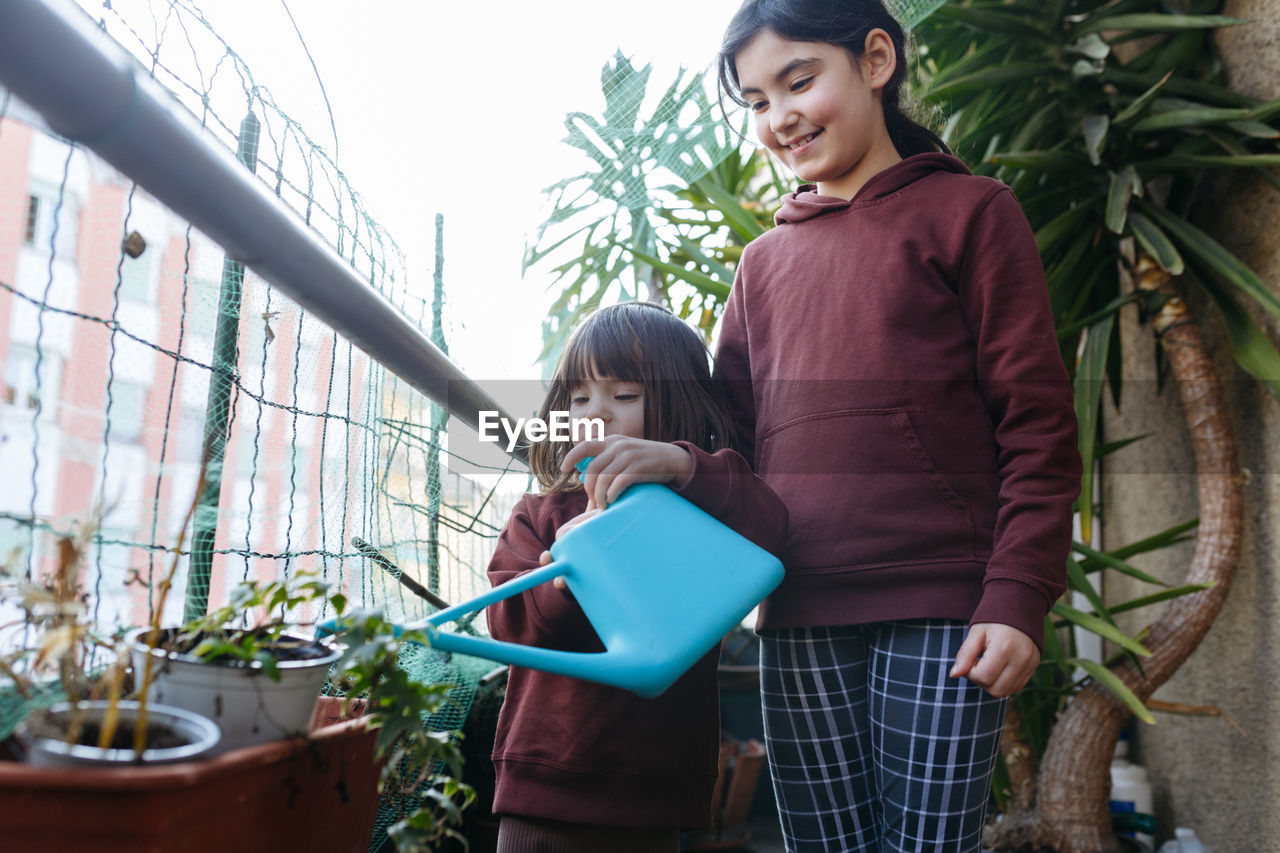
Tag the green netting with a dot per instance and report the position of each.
(912, 12)
(132, 348)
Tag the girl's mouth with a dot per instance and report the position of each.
(803, 144)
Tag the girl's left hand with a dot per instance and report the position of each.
(998, 658)
(621, 460)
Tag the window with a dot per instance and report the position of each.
(42, 207)
(135, 279)
(128, 411)
(22, 388)
(33, 217)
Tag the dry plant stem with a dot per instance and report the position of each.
(157, 612)
(1071, 814)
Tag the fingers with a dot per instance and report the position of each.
(1006, 659)
(970, 650)
(621, 461)
(545, 559)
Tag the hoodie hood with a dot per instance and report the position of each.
(806, 203)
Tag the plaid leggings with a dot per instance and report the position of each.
(872, 747)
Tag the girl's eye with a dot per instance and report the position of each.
(757, 106)
(801, 83)
(625, 398)
(578, 400)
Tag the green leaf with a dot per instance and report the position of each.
(1097, 626)
(1112, 682)
(1163, 539)
(988, 78)
(1079, 582)
(1157, 22)
(695, 278)
(1040, 161)
(1090, 376)
(738, 217)
(1251, 346)
(1216, 256)
(1063, 226)
(1159, 246)
(1095, 127)
(1190, 117)
(1142, 102)
(1113, 563)
(1192, 161)
(1118, 194)
(990, 21)
(1162, 595)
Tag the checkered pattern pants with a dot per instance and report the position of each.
(871, 746)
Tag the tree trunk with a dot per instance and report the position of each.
(1070, 813)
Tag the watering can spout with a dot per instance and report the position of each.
(660, 580)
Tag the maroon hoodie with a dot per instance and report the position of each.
(893, 363)
(583, 752)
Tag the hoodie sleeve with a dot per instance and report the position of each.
(723, 485)
(541, 616)
(733, 365)
(1028, 396)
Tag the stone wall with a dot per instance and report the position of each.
(1207, 774)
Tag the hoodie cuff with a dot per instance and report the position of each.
(707, 486)
(1016, 604)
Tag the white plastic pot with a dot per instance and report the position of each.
(248, 706)
(200, 734)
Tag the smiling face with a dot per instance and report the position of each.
(818, 110)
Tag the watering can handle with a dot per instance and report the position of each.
(597, 666)
(512, 587)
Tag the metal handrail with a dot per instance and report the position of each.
(91, 90)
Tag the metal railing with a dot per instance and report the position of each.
(90, 90)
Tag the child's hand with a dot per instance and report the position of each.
(998, 658)
(621, 460)
(591, 511)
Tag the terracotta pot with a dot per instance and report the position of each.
(298, 794)
(200, 736)
(248, 706)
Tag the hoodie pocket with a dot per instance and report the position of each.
(862, 490)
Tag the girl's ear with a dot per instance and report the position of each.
(880, 59)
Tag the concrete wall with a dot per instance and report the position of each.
(1207, 774)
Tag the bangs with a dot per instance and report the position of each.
(601, 350)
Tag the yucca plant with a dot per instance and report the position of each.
(1105, 118)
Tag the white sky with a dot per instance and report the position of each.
(458, 108)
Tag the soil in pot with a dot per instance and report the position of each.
(66, 735)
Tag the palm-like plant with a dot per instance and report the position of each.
(636, 162)
(1105, 116)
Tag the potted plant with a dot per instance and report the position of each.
(93, 725)
(255, 680)
(319, 791)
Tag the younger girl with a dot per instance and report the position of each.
(582, 766)
(892, 362)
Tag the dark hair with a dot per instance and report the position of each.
(844, 23)
(645, 343)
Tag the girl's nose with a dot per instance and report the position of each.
(781, 117)
(598, 408)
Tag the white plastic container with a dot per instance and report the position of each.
(1131, 792)
(247, 705)
(1184, 842)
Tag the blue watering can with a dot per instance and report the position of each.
(660, 580)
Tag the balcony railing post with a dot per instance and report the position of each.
(218, 410)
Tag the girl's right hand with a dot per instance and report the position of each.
(621, 460)
(590, 512)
